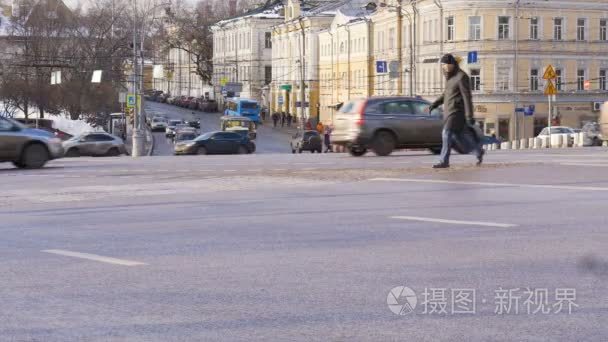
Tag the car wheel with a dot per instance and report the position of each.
(383, 143)
(357, 152)
(201, 150)
(293, 151)
(312, 151)
(243, 150)
(73, 153)
(320, 150)
(435, 150)
(113, 152)
(34, 156)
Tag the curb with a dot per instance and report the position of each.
(152, 142)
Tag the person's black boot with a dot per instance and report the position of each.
(480, 157)
(441, 166)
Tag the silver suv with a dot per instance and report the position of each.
(27, 147)
(384, 124)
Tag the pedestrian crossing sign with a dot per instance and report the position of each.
(550, 73)
(550, 89)
(131, 100)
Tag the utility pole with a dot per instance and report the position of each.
(302, 74)
(138, 138)
(516, 71)
(399, 47)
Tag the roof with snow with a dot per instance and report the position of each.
(270, 10)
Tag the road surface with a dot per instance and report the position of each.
(269, 140)
(281, 247)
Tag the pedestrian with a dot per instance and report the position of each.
(289, 118)
(320, 128)
(458, 106)
(327, 139)
(275, 118)
(283, 119)
(263, 114)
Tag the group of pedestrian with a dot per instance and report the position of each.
(282, 118)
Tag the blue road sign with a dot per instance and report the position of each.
(381, 67)
(472, 57)
(519, 110)
(529, 110)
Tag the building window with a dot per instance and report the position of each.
(474, 28)
(558, 28)
(391, 38)
(503, 27)
(580, 79)
(534, 28)
(581, 26)
(603, 31)
(559, 85)
(267, 74)
(268, 40)
(534, 79)
(603, 83)
(503, 79)
(450, 26)
(475, 79)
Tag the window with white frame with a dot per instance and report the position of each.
(558, 28)
(503, 27)
(450, 28)
(580, 79)
(581, 27)
(475, 79)
(503, 78)
(391, 38)
(559, 84)
(534, 79)
(604, 29)
(603, 79)
(534, 22)
(475, 28)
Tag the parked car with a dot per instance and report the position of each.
(193, 103)
(384, 124)
(27, 148)
(306, 141)
(171, 126)
(158, 124)
(186, 102)
(216, 143)
(208, 106)
(94, 144)
(178, 100)
(557, 130)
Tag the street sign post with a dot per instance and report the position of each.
(131, 100)
(381, 67)
(122, 97)
(551, 92)
(472, 57)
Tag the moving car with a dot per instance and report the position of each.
(170, 130)
(184, 136)
(216, 143)
(593, 136)
(239, 124)
(158, 124)
(306, 141)
(27, 148)
(94, 144)
(384, 124)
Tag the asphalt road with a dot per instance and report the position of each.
(269, 140)
(281, 247)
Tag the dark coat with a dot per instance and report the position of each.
(457, 101)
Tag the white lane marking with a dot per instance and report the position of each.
(583, 164)
(94, 257)
(279, 169)
(536, 186)
(467, 223)
(229, 170)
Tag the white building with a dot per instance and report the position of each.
(242, 53)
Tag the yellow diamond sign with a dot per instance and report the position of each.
(550, 89)
(549, 73)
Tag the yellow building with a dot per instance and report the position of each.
(295, 56)
(345, 60)
(514, 42)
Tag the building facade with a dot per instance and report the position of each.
(242, 54)
(513, 43)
